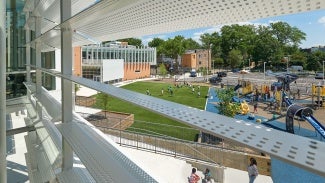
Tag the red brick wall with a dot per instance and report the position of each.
(143, 70)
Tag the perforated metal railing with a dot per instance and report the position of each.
(100, 156)
(296, 150)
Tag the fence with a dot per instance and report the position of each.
(224, 154)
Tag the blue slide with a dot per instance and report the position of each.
(237, 87)
(310, 118)
(318, 126)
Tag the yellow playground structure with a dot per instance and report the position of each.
(247, 87)
(318, 91)
(244, 108)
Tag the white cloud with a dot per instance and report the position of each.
(322, 20)
(145, 40)
(196, 35)
(274, 21)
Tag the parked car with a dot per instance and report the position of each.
(222, 74)
(215, 79)
(193, 74)
(235, 70)
(319, 75)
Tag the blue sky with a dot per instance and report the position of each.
(312, 23)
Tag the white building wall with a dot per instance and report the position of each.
(113, 69)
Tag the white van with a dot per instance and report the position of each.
(296, 68)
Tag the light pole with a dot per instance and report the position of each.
(249, 64)
(264, 70)
(209, 57)
(323, 71)
(288, 60)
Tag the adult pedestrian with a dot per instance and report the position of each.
(252, 170)
(207, 176)
(193, 178)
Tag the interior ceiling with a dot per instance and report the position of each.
(116, 19)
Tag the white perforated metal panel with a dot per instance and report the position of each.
(112, 19)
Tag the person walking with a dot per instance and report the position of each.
(207, 176)
(252, 170)
(147, 92)
(193, 178)
(255, 107)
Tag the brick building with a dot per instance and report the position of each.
(196, 59)
(112, 62)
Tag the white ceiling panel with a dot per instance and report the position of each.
(116, 19)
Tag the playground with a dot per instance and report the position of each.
(280, 104)
(293, 112)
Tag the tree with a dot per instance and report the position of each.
(226, 107)
(76, 87)
(287, 35)
(237, 37)
(266, 46)
(162, 69)
(315, 61)
(234, 58)
(218, 62)
(102, 101)
(211, 41)
(132, 41)
(175, 47)
(298, 58)
(190, 44)
(288, 38)
(158, 43)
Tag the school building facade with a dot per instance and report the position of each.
(113, 62)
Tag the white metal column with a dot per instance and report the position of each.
(38, 21)
(28, 78)
(67, 87)
(3, 145)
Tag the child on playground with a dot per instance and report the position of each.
(255, 107)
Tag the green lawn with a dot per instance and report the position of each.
(182, 95)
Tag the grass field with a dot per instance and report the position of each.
(150, 122)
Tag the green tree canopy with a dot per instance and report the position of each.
(315, 61)
(162, 69)
(191, 44)
(132, 41)
(240, 37)
(234, 58)
(102, 101)
(226, 107)
(158, 44)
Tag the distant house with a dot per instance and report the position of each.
(196, 59)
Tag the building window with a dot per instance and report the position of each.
(200, 62)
